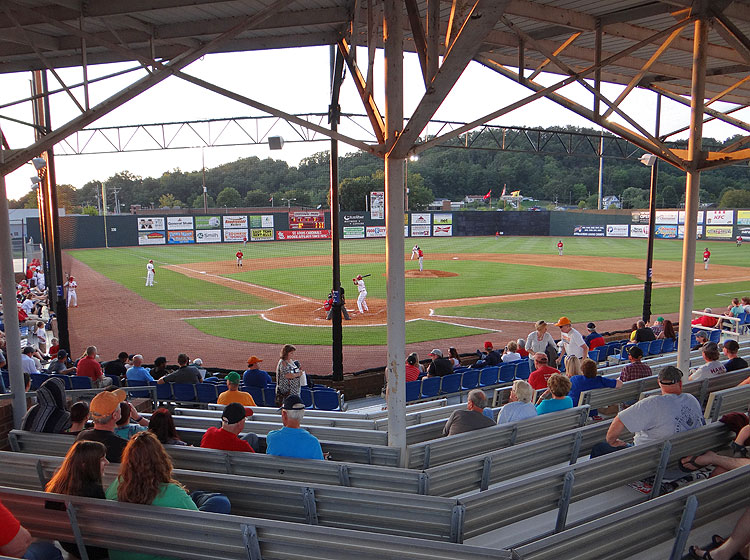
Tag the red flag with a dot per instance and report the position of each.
(503, 193)
(489, 194)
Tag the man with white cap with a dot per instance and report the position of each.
(572, 341)
(291, 440)
(440, 366)
(104, 410)
(150, 273)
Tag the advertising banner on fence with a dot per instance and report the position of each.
(208, 236)
(377, 205)
(617, 230)
(186, 236)
(442, 231)
(719, 232)
(420, 219)
(666, 216)
(354, 232)
(235, 222)
(639, 217)
(264, 221)
(353, 219)
(234, 235)
(665, 232)
(744, 232)
(588, 231)
(442, 219)
(406, 231)
(719, 217)
(151, 238)
(743, 217)
(420, 231)
(681, 217)
(639, 230)
(681, 232)
(302, 234)
(207, 222)
(261, 234)
(150, 224)
(375, 231)
(180, 222)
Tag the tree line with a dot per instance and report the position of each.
(451, 171)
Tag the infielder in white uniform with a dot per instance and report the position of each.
(414, 252)
(362, 298)
(150, 273)
(72, 297)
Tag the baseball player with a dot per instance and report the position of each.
(362, 298)
(420, 254)
(739, 241)
(414, 252)
(560, 247)
(239, 256)
(706, 258)
(72, 297)
(244, 241)
(150, 273)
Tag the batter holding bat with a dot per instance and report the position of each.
(362, 298)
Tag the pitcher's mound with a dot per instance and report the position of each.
(429, 274)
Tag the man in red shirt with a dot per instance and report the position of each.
(706, 257)
(227, 438)
(705, 320)
(239, 256)
(560, 247)
(16, 541)
(538, 378)
(89, 367)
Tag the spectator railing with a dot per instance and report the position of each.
(630, 391)
(329, 421)
(703, 388)
(197, 535)
(636, 530)
(721, 402)
(734, 323)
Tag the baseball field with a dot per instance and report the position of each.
(470, 289)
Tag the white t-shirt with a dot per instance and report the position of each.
(27, 306)
(511, 357)
(515, 411)
(661, 416)
(573, 342)
(533, 344)
(28, 364)
(707, 371)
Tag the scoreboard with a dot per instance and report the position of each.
(314, 219)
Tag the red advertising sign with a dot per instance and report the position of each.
(301, 234)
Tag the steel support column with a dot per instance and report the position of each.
(687, 278)
(393, 35)
(334, 116)
(647, 285)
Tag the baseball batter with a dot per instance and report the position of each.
(362, 298)
(150, 273)
(560, 248)
(72, 297)
(239, 256)
(706, 258)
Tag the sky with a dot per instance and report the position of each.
(295, 81)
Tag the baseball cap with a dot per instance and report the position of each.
(660, 319)
(233, 413)
(293, 402)
(540, 324)
(106, 402)
(437, 352)
(591, 326)
(562, 322)
(488, 344)
(62, 354)
(670, 375)
(233, 377)
(253, 360)
(702, 334)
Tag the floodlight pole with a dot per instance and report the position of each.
(600, 204)
(651, 223)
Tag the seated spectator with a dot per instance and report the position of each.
(59, 364)
(539, 377)
(704, 320)
(227, 437)
(413, 370)
(471, 418)
(81, 475)
(635, 369)
(736, 546)
(657, 417)
(138, 373)
(520, 406)
(745, 301)
(668, 331)
(572, 366)
(701, 337)
(490, 357)
(730, 349)
(291, 440)
(510, 354)
(198, 364)
(160, 368)
(88, 367)
(712, 367)
(105, 412)
(16, 541)
(117, 367)
(48, 414)
(521, 342)
(254, 376)
(440, 366)
(589, 380)
(734, 309)
(634, 329)
(558, 387)
(54, 347)
(233, 394)
(185, 373)
(658, 327)
(454, 358)
(644, 333)
(594, 339)
(162, 425)
(124, 428)
(79, 416)
(27, 362)
(146, 478)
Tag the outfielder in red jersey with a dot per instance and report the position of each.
(239, 256)
(706, 258)
(560, 247)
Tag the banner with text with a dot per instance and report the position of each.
(617, 230)
(180, 237)
(442, 219)
(666, 216)
(665, 232)
(180, 222)
(639, 230)
(303, 234)
(442, 231)
(420, 231)
(681, 216)
(151, 238)
(208, 236)
(207, 222)
(681, 232)
(354, 232)
(588, 231)
(719, 232)
(234, 235)
(261, 234)
(375, 231)
(150, 224)
(261, 221)
(377, 205)
(235, 222)
(420, 219)
(719, 217)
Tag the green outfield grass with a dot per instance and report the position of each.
(256, 329)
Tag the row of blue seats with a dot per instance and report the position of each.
(70, 381)
(467, 379)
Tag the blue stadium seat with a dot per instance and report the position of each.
(470, 379)
(256, 393)
(6, 379)
(460, 369)
(183, 392)
(451, 383)
(714, 336)
(523, 370)
(37, 379)
(656, 347)
(80, 382)
(488, 375)
(430, 387)
(269, 396)
(164, 392)
(624, 351)
(507, 372)
(138, 394)
(669, 345)
(326, 400)
(115, 380)
(206, 392)
(412, 390)
(65, 379)
(307, 397)
(644, 346)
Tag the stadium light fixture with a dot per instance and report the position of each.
(648, 160)
(39, 163)
(35, 180)
(275, 142)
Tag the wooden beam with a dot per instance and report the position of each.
(557, 51)
(417, 33)
(371, 108)
(433, 38)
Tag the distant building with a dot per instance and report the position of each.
(440, 204)
(469, 198)
(611, 202)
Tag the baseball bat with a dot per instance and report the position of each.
(366, 275)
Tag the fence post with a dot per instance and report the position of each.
(562, 512)
(576, 448)
(683, 530)
(486, 468)
(250, 539)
